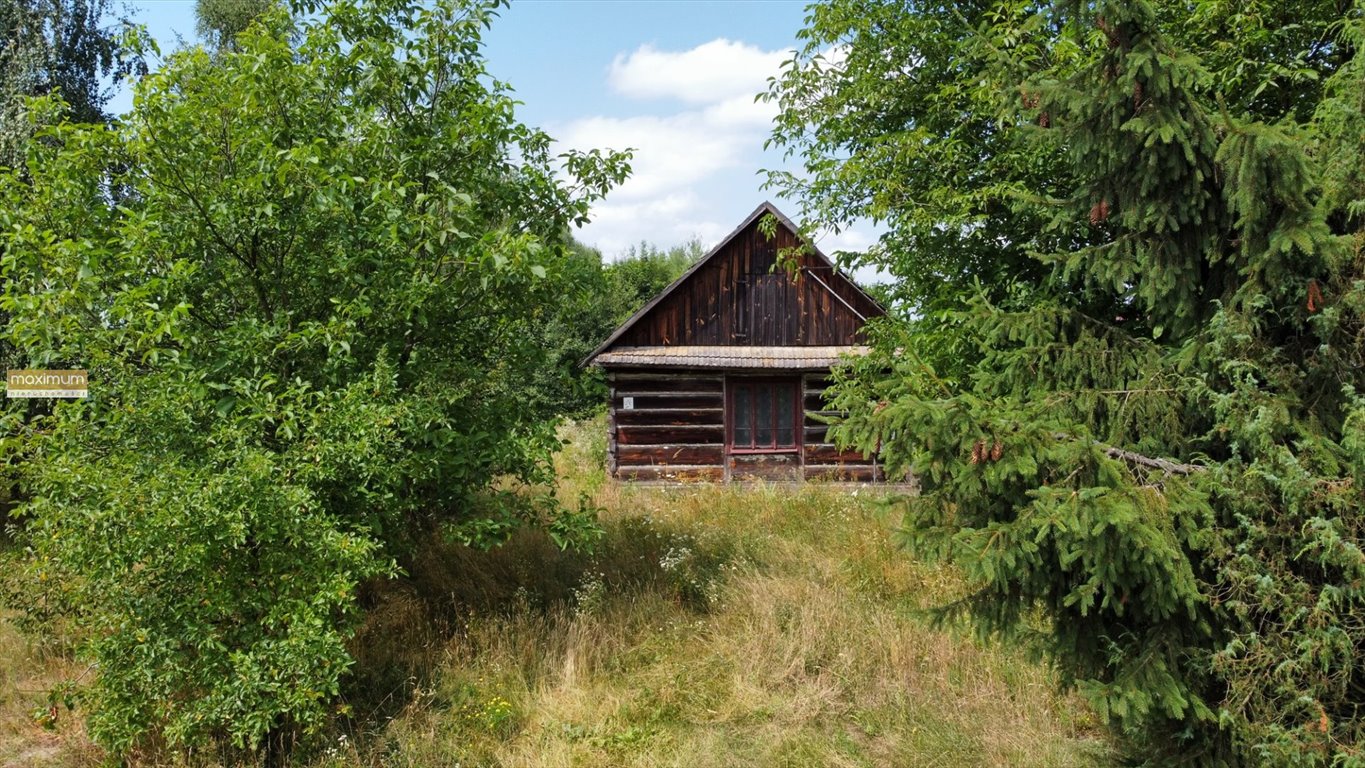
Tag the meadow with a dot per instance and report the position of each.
(711, 626)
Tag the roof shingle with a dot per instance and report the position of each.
(683, 356)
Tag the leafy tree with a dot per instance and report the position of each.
(645, 270)
(64, 46)
(1158, 442)
(52, 46)
(304, 316)
(220, 21)
(597, 298)
(884, 107)
(569, 327)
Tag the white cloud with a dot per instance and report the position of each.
(672, 152)
(684, 158)
(856, 240)
(740, 112)
(664, 221)
(696, 162)
(711, 72)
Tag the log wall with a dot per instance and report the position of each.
(676, 432)
(822, 460)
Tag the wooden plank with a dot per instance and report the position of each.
(639, 374)
(765, 466)
(669, 435)
(650, 400)
(816, 402)
(723, 273)
(847, 473)
(827, 453)
(671, 474)
(675, 416)
(664, 455)
(666, 380)
(637, 393)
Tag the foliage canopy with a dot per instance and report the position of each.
(1129, 239)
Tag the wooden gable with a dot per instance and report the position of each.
(733, 296)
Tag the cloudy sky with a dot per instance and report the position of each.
(673, 79)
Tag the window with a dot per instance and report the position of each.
(763, 416)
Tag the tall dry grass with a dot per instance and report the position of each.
(739, 626)
(36, 726)
(713, 626)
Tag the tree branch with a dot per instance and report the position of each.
(1165, 465)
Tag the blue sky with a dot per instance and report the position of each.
(674, 79)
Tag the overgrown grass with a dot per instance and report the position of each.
(714, 626)
(36, 726)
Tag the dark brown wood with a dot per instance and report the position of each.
(675, 416)
(650, 401)
(738, 297)
(846, 473)
(815, 433)
(814, 401)
(680, 381)
(673, 474)
(671, 454)
(776, 467)
(826, 453)
(611, 429)
(692, 433)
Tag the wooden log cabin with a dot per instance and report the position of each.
(721, 376)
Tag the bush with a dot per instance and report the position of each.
(301, 273)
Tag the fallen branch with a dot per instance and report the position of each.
(1165, 465)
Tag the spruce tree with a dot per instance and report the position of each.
(1153, 470)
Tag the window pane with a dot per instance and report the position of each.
(763, 416)
(785, 415)
(743, 436)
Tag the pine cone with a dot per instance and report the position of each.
(996, 451)
(1137, 94)
(1099, 212)
(978, 449)
(1044, 120)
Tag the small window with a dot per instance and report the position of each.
(741, 329)
(763, 416)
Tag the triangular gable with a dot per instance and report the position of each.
(850, 295)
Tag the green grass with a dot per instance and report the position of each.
(714, 626)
